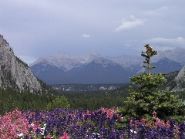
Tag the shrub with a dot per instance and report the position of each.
(58, 102)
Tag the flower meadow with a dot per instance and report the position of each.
(80, 124)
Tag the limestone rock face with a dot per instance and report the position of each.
(14, 73)
(179, 81)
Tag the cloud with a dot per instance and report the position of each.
(163, 43)
(29, 60)
(130, 23)
(70, 26)
(156, 12)
(179, 41)
(85, 35)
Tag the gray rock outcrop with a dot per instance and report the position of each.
(180, 81)
(14, 73)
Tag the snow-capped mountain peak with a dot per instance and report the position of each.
(60, 61)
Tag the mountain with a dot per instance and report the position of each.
(178, 82)
(14, 73)
(127, 60)
(61, 61)
(101, 70)
(48, 73)
(166, 65)
(98, 70)
(177, 54)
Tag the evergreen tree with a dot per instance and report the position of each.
(146, 95)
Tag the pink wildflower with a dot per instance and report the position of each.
(65, 136)
(13, 124)
(109, 112)
(49, 137)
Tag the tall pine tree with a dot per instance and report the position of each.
(146, 95)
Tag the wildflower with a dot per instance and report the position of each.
(49, 137)
(65, 136)
(132, 131)
(13, 125)
(20, 135)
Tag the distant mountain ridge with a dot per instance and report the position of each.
(14, 73)
(65, 62)
(97, 70)
(177, 54)
(165, 65)
(177, 81)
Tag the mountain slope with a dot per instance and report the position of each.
(176, 54)
(48, 73)
(99, 70)
(14, 73)
(102, 71)
(166, 65)
(179, 81)
(60, 61)
(96, 70)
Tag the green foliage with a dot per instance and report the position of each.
(146, 96)
(11, 99)
(96, 100)
(178, 119)
(148, 81)
(58, 102)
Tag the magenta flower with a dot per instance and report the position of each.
(65, 136)
(13, 125)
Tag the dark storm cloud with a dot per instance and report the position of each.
(37, 28)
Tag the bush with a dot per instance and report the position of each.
(58, 102)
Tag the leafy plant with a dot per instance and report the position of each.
(58, 102)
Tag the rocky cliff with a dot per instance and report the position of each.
(180, 80)
(176, 80)
(14, 73)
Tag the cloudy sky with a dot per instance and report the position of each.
(40, 28)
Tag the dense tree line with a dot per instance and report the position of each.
(95, 100)
(11, 99)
